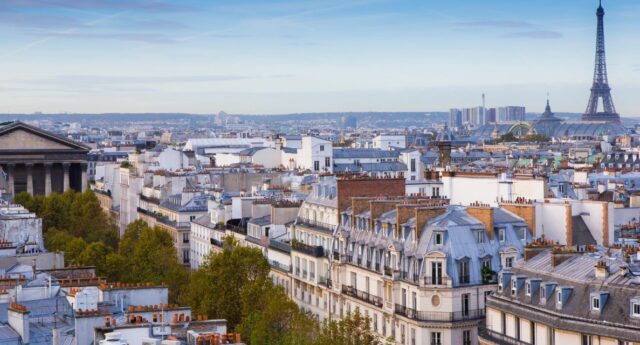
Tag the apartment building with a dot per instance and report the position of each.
(567, 295)
(420, 268)
(175, 214)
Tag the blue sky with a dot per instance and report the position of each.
(267, 57)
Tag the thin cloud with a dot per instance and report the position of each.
(535, 34)
(155, 38)
(94, 5)
(494, 24)
(121, 80)
(68, 31)
(155, 24)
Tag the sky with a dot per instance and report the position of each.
(274, 57)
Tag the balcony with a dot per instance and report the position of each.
(279, 266)
(315, 224)
(164, 220)
(315, 251)
(361, 295)
(279, 245)
(498, 338)
(217, 243)
(237, 229)
(431, 316)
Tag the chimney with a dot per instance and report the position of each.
(358, 205)
(601, 270)
(484, 213)
(423, 214)
(55, 338)
(568, 224)
(525, 211)
(19, 320)
(378, 207)
(404, 212)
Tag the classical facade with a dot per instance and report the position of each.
(40, 162)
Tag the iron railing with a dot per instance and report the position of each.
(316, 251)
(472, 314)
(316, 224)
(362, 295)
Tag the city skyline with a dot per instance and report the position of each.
(284, 57)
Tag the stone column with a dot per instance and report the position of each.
(29, 167)
(10, 179)
(47, 178)
(83, 167)
(65, 178)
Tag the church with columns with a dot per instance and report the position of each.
(39, 162)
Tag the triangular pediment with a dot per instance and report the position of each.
(19, 136)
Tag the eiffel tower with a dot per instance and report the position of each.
(600, 89)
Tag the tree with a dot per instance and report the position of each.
(217, 286)
(72, 251)
(57, 240)
(95, 254)
(354, 329)
(270, 317)
(147, 254)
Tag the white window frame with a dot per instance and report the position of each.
(595, 303)
(528, 289)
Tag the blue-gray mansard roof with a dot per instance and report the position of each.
(460, 241)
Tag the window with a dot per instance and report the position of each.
(635, 309)
(528, 289)
(508, 262)
(413, 336)
(438, 238)
(466, 298)
(316, 165)
(436, 273)
(501, 235)
(514, 286)
(327, 162)
(436, 338)
(464, 272)
(559, 294)
(321, 147)
(503, 322)
(587, 340)
(466, 337)
(480, 236)
(523, 234)
(532, 332)
(517, 327)
(413, 164)
(595, 303)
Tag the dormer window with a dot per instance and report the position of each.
(501, 235)
(635, 307)
(480, 236)
(439, 238)
(527, 289)
(514, 286)
(598, 301)
(559, 294)
(542, 293)
(508, 262)
(595, 303)
(523, 233)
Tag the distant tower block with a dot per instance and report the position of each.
(600, 90)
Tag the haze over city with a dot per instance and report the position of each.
(272, 57)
